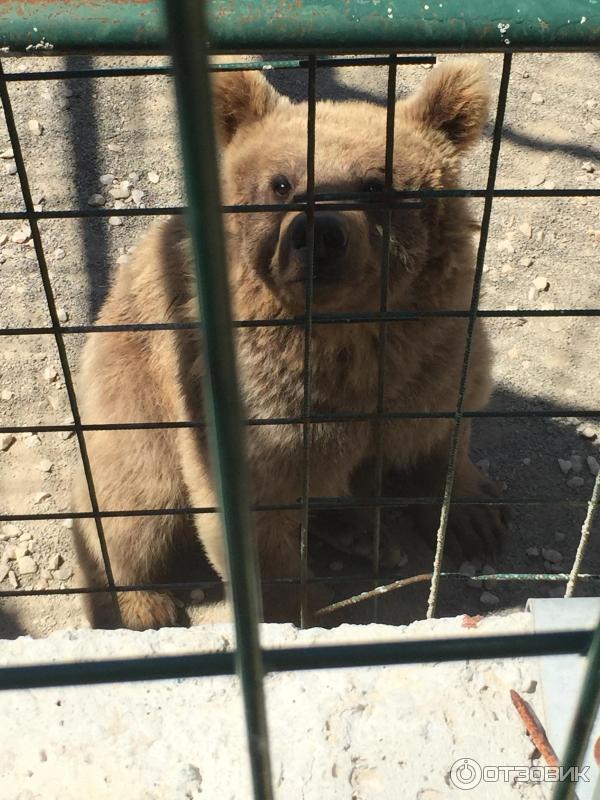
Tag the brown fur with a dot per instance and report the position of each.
(156, 376)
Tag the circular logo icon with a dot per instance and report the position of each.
(465, 773)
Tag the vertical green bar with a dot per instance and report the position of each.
(187, 27)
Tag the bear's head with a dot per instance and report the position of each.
(263, 138)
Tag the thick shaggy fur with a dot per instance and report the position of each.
(157, 376)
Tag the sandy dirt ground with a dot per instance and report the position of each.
(87, 137)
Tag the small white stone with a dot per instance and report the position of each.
(550, 555)
(537, 99)
(6, 395)
(50, 374)
(593, 465)
(3, 238)
(197, 595)
(9, 531)
(32, 440)
(8, 153)
(22, 550)
(6, 441)
(35, 127)
(67, 523)
(59, 254)
(22, 235)
(526, 229)
(565, 465)
(121, 192)
(114, 148)
(115, 221)
(106, 180)
(64, 573)
(526, 261)
(533, 552)
(96, 200)
(122, 259)
(46, 465)
(153, 177)
(587, 432)
(526, 462)
(55, 562)
(39, 497)
(137, 195)
(26, 565)
(62, 315)
(576, 482)
(541, 283)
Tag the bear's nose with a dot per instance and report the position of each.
(331, 237)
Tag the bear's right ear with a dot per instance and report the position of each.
(240, 98)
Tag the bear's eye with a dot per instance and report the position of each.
(280, 185)
(373, 185)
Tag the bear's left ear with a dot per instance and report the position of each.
(240, 98)
(454, 100)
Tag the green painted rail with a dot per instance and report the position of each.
(236, 26)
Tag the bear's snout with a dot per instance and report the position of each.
(331, 237)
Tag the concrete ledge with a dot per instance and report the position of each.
(376, 733)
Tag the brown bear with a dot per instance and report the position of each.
(156, 375)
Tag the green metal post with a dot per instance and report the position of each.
(187, 26)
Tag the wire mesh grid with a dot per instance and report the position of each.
(255, 661)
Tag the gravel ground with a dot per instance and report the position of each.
(113, 141)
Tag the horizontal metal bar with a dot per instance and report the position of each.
(255, 65)
(521, 577)
(562, 413)
(334, 318)
(248, 26)
(334, 201)
(298, 658)
(315, 504)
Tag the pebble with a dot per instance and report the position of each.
(67, 523)
(153, 177)
(576, 482)
(26, 565)
(537, 99)
(22, 550)
(122, 259)
(526, 462)
(593, 465)
(577, 463)
(119, 204)
(39, 497)
(64, 573)
(55, 562)
(587, 166)
(484, 464)
(532, 293)
(121, 192)
(21, 236)
(541, 283)
(8, 153)
(26, 537)
(12, 579)
(565, 465)
(96, 200)
(489, 599)
(116, 221)
(6, 395)
(6, 441)
(468, 569)
(9, 531)
(35, 127)
(10, 553)
(526, 229)
(134, 177)
(197, 595)
(106, 180)
(549, 185)
(3, 238)
(114, 148)
(587, 433)
(46, 465)
(59, 253)
(533, 552)
(50, 374)
(550, 555)
(526, 261)
(137, 195)
(11, 169)
(62, 315)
